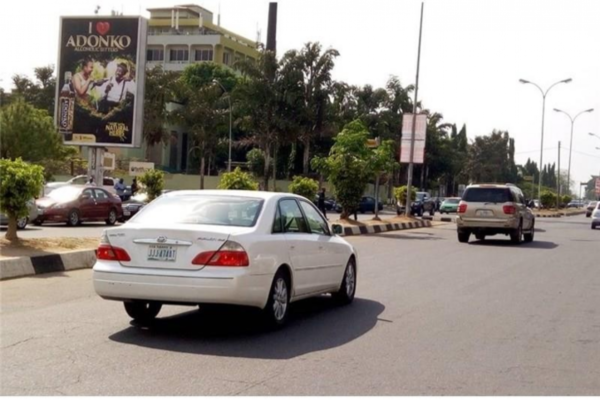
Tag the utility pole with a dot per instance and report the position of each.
(558, 197)
(414, 124)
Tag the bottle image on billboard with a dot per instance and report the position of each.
(66, 110)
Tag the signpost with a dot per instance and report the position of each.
(137, 168)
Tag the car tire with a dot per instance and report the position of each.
(73, 218)
(528, 237)
(463, 237)
(22, 223)
(38, 222)
(420, 213)
(142, 311)
(432, 212)
(593, 227)
(278, 305)
(112, 217)
(480, 236)
(345, 295)
(516, 236)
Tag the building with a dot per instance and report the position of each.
(179, 36)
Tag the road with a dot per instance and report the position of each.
(431, 317)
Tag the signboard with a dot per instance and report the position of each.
(407, 122)
(419, 154)
(139, 168)
(528, 178)
(372, 143)
(420, 136)
(100, 80)
(108, 161)
(598, 186)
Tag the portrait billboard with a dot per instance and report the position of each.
(100, 81)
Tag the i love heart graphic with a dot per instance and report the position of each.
(102, 27)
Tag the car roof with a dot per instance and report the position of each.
(232, 193)
(490, 185)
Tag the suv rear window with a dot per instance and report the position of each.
(487, 195)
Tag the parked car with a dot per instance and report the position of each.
(576, 204)
(23, 221)
(450, 205)
(330, 203)
(76, 204)
(596, 216)
(590, 208)
(135, 204)
(422, 203)
(258, 249)
(367, 204)
(487, 210)
(108, 184)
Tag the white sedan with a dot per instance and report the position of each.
(246, 248)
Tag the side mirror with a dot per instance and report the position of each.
(85, 197)
(337, 229)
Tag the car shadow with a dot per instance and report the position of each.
(536, 244)
(406, 237)
(314, 325)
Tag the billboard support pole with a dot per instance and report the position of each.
(414, 124)
(95, 166)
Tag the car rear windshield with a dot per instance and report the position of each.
(487, 195)
(452, 201)
(201, 210)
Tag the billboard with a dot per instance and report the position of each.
(137, 168)
(420, 136)
(100, 81)
(598, 186)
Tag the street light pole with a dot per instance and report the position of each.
(230, 121)
(544, 94)
(571, 145)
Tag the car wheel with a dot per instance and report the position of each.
(593, 226)
(420, 213)
(480, 236)
(38, 222)
(528, 237)
(432, 212)
(142, 311)
(112, 217)
(348, 287)
(277, 309)
(73, 218)
(463, 237)
(516, 236)
(22, 222)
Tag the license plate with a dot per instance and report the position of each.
(484, 213)
(162, 253)
(126, 213)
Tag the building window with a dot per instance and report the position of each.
(227, 58)
(155, 55)
(204, 55)
(179, 55)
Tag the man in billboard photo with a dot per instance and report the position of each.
(82, 81)
(116, 89)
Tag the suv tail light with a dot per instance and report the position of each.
(231, 254)
(509, 210)
(462, 208)
(110, 253)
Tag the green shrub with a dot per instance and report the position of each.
(305, 187)
(154, 182)
(566, 199)
(19, 183)
(548, 199)
(400, 194)
(256, 162)
(237, 180)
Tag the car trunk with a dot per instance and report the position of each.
(173, 247)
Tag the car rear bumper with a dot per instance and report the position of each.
(115, 282)
(482, 224)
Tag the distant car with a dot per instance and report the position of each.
(135, 204)
(22, 222)
(76, 204)
(108, 184)
(590, 208)
(450, 205)
(535, 204)
(367, 204)
(575, 204)
(330, 203)
(596, 216)
(257, 249)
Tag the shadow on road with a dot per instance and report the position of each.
(406, 237)
(538, 245)
(315, 324)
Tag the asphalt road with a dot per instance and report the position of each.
(431, 317)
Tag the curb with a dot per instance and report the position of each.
(371, 229)
(37, 265)
(446, 219)
(560, 215)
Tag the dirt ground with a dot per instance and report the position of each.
(36, 247)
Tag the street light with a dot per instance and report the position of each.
(593, 134)
(544, 94)
(571, 146)
(230, 121)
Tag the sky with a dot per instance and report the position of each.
(473, 54)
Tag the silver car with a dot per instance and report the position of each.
(22, 222)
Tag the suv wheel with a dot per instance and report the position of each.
(480, 236)
(529, 235)
(517, 235)
(463, 237)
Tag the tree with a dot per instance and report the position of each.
(40, 94)
(30, 133)
(490, 159)
(256, 162)
(400, 194)
(154, 182)
(204, 110)
(158, 92)
(548, 199)
(237, 180)
(20, 183)
(381, 161)
(347, 166)
(305, 187)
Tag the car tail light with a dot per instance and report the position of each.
(110, 253)
(231, 254)
(509, 209)
(462, 208)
